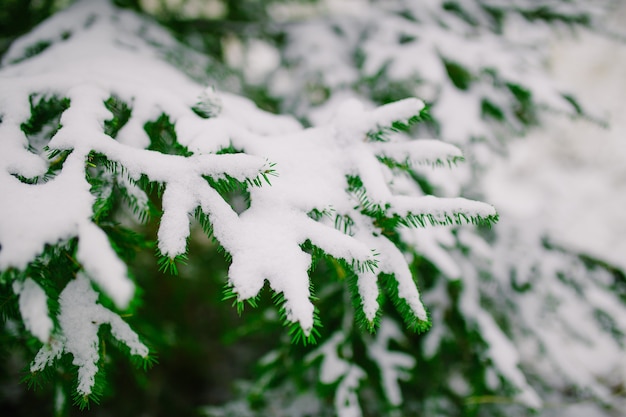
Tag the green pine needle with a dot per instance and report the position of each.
(413, 323)
(357, 303)
(408, 165)
(383, 133)
(230, 294)
(169, 265)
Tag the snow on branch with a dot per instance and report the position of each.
(111, 93)
(317, 171)
(61, 208)
(80, 319)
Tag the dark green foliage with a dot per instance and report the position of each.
(575, 104)
(369, 208)
(458, 10)
(230, 294)
(42, 125)
(407, 166)
(524, 287)
(9, 309)
(460, 76)
(128, 4)
(121, 114)
(263, 98)
(497, 17)
(382, 90)
(607, 323)
(45, 116)
(110, 185)
(36, 49)
(525, 108)
(382, 133)
(19, 16)
(163, 137)
(411, 322)
(204, 222)
(548, 14)
(489, 110)
(341, 271)
(344, 223)
(126, 242)
(404, 39)
(424, 220)
(170, 265)
(357, 303)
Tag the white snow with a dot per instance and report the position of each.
(566, 186)
(368, 290)
(122, 65)
(102, 265)
(394, 366)
(564, 183)
(335, 368)
(40, 214)
(264, 241)
(571, 175)
(33, 304)
(80, 319)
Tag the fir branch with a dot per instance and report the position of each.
(230, 294)
(168, 264)
(56, 160)
(383, 133)
(205, 223)
(121, 113)
(44, 111)
(38, 379)
(163, 138)
(367, 206)
(357, 304)
(422, 220)
(297, 333)
(9, 309)
(318, 214)
(344, 223)
(390, 285)
(144, 363)
(407, 164)
(354, 265)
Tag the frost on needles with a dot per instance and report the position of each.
(99, 113)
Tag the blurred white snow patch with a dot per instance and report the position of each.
(570, 177)
(261, 59)
(394, 365)
(234, 54)
(34, 308)
(290, 11)
(458, 384)
(255, 57)
(327, 112)
(574, 410)
(334, 368)
(209, 9)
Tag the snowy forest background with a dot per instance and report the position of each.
(528, 315)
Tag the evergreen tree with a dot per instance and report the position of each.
(123, 149)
